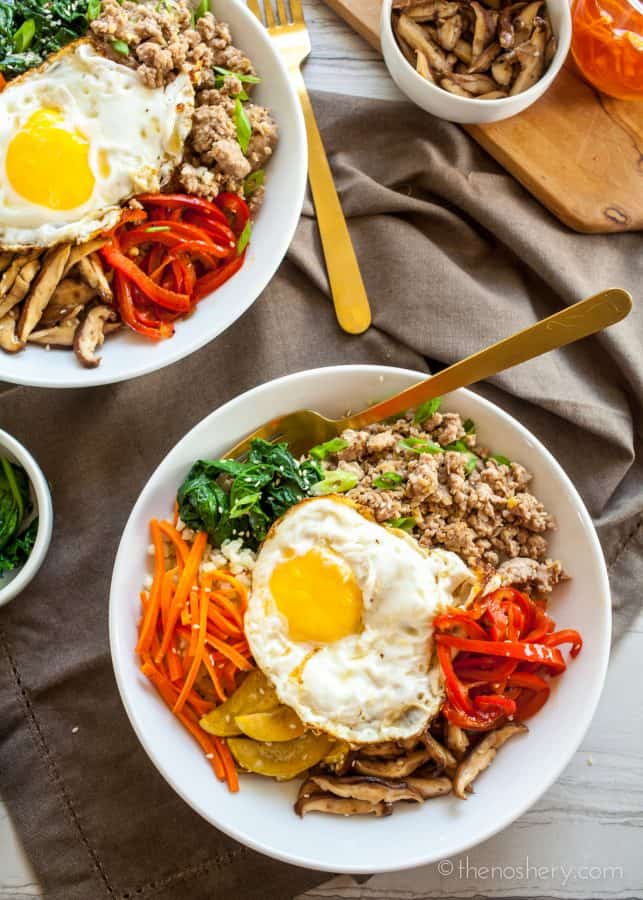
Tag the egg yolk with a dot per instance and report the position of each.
(320, 599)
(49, 165)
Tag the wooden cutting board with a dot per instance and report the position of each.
(579, 152)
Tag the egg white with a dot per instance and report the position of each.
(381, 683)
(139, 131)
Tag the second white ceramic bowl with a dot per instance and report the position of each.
(261, 814)
(467, 110)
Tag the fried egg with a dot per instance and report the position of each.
(78, 136)
(340, 620)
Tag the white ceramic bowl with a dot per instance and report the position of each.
(12, 583)
(466, 110)
(261, 814)
(126, 355)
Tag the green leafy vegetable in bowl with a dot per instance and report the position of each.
(32, 29)
(231, 499)
(18, 527)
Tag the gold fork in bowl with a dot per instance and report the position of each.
(292, 40)
(305, 428)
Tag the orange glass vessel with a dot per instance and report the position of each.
(607, 44)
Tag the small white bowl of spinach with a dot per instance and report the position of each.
(26, 517)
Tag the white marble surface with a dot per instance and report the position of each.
(584, 839)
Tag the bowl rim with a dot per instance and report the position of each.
(530, 95)
(44, 506)
(601, 658)
(297, 177)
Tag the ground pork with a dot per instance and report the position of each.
(163, 40)
(477, 506)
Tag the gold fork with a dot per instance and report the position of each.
(303, 429)
(347, 288)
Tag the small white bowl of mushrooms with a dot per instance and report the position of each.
(474, 61)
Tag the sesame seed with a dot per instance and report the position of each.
(74, 729)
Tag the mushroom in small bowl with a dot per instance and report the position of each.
(474, 61)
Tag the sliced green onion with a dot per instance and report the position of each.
(419, 445)
(248, 79)
(244, 237)
(428, 409)
(461, 447)
(469, 426)
(406, 523)
(201, 10)
(93, 10)
(321, 451)
(242, 124)
(500, 459)
(120, 47)
(388, 480)
(252, 182)
(23, 37)
(335, 482)
(157, 228)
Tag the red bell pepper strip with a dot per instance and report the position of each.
(160, 295)
(129, 316)
(530, 653)
(181, 201)
(210, 282)
(565, 636)
(235, 207)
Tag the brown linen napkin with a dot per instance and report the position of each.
(454, 255)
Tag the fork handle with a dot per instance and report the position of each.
(346, 285)
(568, 325)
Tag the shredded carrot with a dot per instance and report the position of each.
(151, 615)
(182, 549)
(186, 627)
(223, 624)
(220, 575)
(228, 606)
(228, 765)
(214, 678)
(198, 654)
(187, 718)
(229, 652)
(187, 579)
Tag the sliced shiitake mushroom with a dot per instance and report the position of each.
(392, 768)
(90, 269)
(457, 740)
(422, 66)
(506, 31)
(531, 56)
(59, 336)
(481, 63)
(8, 339)
(449, 31)
(53, 265)
(6, 257)
(418, 39)
(11, 272)
(91, 334)
(502, 71)
(443, 757)
(484, 29)
(481, 756)
(430, 786)
(20, 286)
(310, 799)
(366, 787)
(79, 251)
(70, 294)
